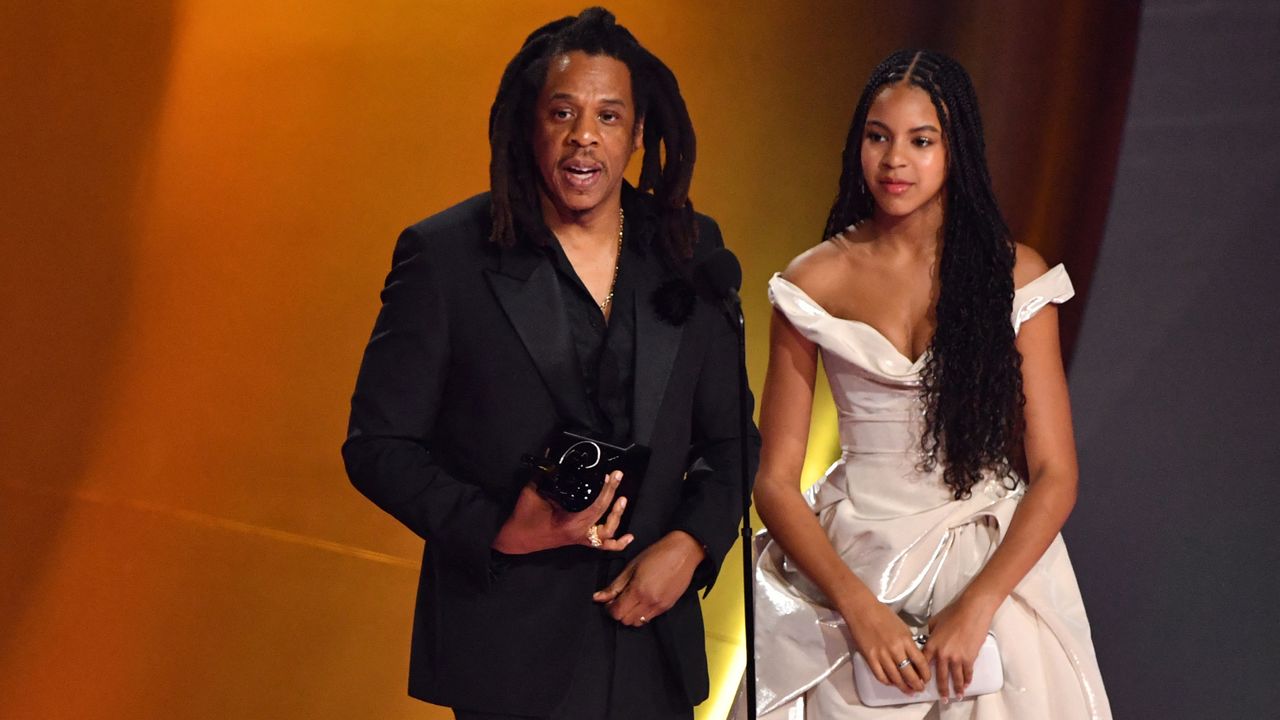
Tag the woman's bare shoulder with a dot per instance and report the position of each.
(821, 268)
(1028, 265)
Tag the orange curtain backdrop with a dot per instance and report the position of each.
(199, 203)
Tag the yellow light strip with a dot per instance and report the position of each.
(219, 523)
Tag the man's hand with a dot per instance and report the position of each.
(536, 524)
(654, 580)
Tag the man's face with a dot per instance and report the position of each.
(584, 131)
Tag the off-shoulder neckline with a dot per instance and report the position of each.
(872, 328)
(856, 323)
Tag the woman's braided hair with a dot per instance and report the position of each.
(971, 384)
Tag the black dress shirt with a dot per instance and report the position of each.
(605, 349)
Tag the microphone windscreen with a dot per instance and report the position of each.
(722, 272)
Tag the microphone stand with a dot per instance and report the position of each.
(733, 304)
(724, 277)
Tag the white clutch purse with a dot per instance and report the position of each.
(988, 677)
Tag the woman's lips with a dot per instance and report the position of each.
(895, 187)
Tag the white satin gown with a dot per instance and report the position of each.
(904, 535)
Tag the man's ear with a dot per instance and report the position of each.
(637, 140)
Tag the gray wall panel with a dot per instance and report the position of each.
(1174, 382)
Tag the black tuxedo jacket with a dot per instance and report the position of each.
(470, 366)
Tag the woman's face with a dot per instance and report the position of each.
(904, 158)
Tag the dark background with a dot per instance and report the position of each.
(1175, 377)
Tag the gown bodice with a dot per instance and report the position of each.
(876, 391)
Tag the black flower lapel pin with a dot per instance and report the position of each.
(674, 300)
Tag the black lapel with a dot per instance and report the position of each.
(529, 291)
(657, 342)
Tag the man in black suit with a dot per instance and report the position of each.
(561, 299)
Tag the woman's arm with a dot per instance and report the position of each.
(881, 637)
(1051, 493)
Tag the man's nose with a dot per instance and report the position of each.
(584, 131)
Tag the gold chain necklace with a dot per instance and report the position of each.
(617, 262)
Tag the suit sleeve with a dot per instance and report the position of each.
(394, 410)
(711, 506)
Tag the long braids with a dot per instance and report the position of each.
(668, 131)
(971, 384)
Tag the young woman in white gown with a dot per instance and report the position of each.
(939, 337)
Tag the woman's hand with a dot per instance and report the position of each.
(884, 642)
(955, 637)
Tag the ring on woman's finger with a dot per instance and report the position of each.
(593, 536)
(643, 620)
(905, 662)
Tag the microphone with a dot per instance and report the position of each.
(723, 274)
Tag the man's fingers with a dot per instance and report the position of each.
(615, 517)
(601, 505)
(616, 544)
(639, 619)
(613, 589)
(623, 605)
(635, 610)
(605, 532)
(634, 607)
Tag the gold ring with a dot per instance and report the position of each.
(593, 536)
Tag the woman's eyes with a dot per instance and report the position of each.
(920, 141)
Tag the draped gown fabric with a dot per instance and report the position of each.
(904, 535)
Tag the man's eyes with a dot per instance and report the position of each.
(607, 116)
